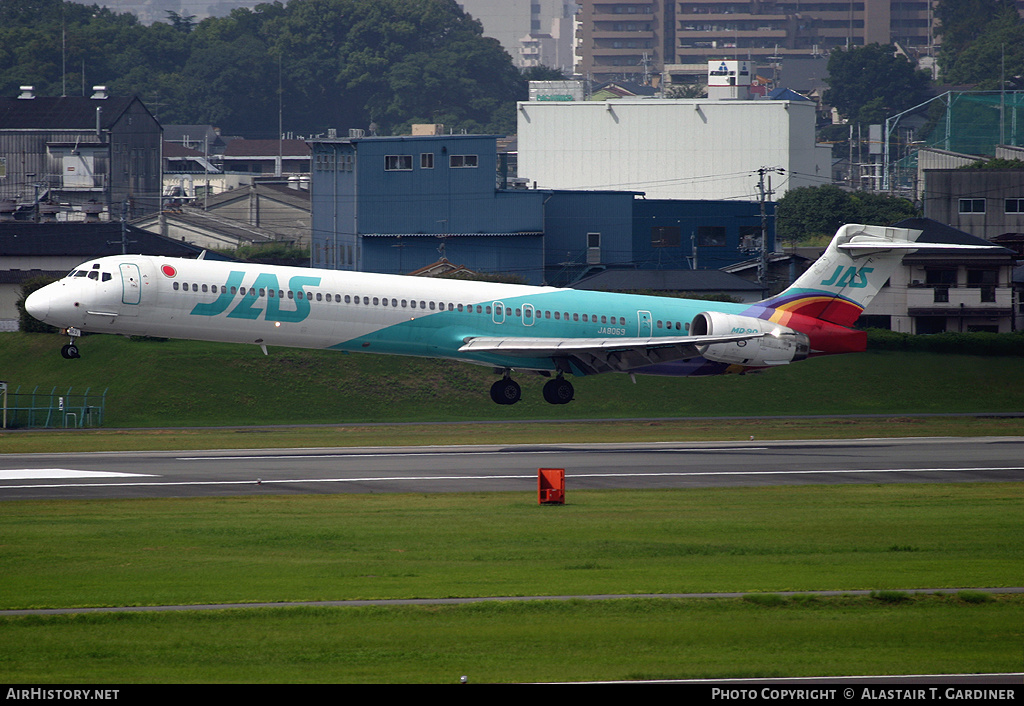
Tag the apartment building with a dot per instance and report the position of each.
(662, 38)
(623, 40)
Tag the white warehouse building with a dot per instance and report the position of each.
(671, 149)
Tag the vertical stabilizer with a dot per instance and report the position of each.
(843, 281)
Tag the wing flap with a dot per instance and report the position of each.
(600, 355)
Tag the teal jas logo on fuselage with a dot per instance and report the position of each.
(264, 289)
(848, 277)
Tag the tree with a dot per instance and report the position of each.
(995, 163)
(182, 23)
(542, 73)
(868, 83)
(997, 50)
(818, 211)
(876, 209)
(812, 211)
(27, 322)
(326, 63)
(961, 22)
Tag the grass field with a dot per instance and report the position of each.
(759, 541)
(530, 642)
(799, 538)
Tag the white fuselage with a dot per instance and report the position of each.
(299, 307)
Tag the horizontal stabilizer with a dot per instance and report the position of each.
(880, 245)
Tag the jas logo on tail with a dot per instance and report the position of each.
(848, 277)
(263, 290)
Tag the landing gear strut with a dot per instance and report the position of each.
(70, 350)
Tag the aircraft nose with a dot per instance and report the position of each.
(37, 304)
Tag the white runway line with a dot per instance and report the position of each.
(62, 473)
(390, 479)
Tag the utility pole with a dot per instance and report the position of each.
(124, 227)
(764, 194)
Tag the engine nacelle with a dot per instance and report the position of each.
(779, 345)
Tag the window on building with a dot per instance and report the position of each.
(929, 324)
(750, 237)
(941, 279)
(398, 162)
(427, 160)
(665, 237)
(1014, 206)
(972, 206)
(984, 280)
(461, 161)
(711, 236)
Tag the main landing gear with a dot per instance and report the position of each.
(506, 391)
(70, 350)
(556, 391)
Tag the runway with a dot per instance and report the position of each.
(447, 469)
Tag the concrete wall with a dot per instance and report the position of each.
(671, 149)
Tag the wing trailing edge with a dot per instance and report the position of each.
(601, 355)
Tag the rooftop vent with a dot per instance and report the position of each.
(100, 93)
(27, 92)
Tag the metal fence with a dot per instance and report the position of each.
(54, 409)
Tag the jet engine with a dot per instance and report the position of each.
(777, 346)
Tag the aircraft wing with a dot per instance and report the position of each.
(602, 355)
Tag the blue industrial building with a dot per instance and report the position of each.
(398, 204)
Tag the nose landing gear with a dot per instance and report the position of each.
(70, 350)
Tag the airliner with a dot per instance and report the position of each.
(551, 331)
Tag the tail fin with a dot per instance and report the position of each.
(843, 281)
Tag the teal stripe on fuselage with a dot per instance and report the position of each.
(442, 333)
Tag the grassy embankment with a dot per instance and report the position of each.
(187, 384)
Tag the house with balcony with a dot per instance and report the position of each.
(947, 290)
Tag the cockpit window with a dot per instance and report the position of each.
(81, 273)
(94, 275)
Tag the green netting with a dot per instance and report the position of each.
(973, 122)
